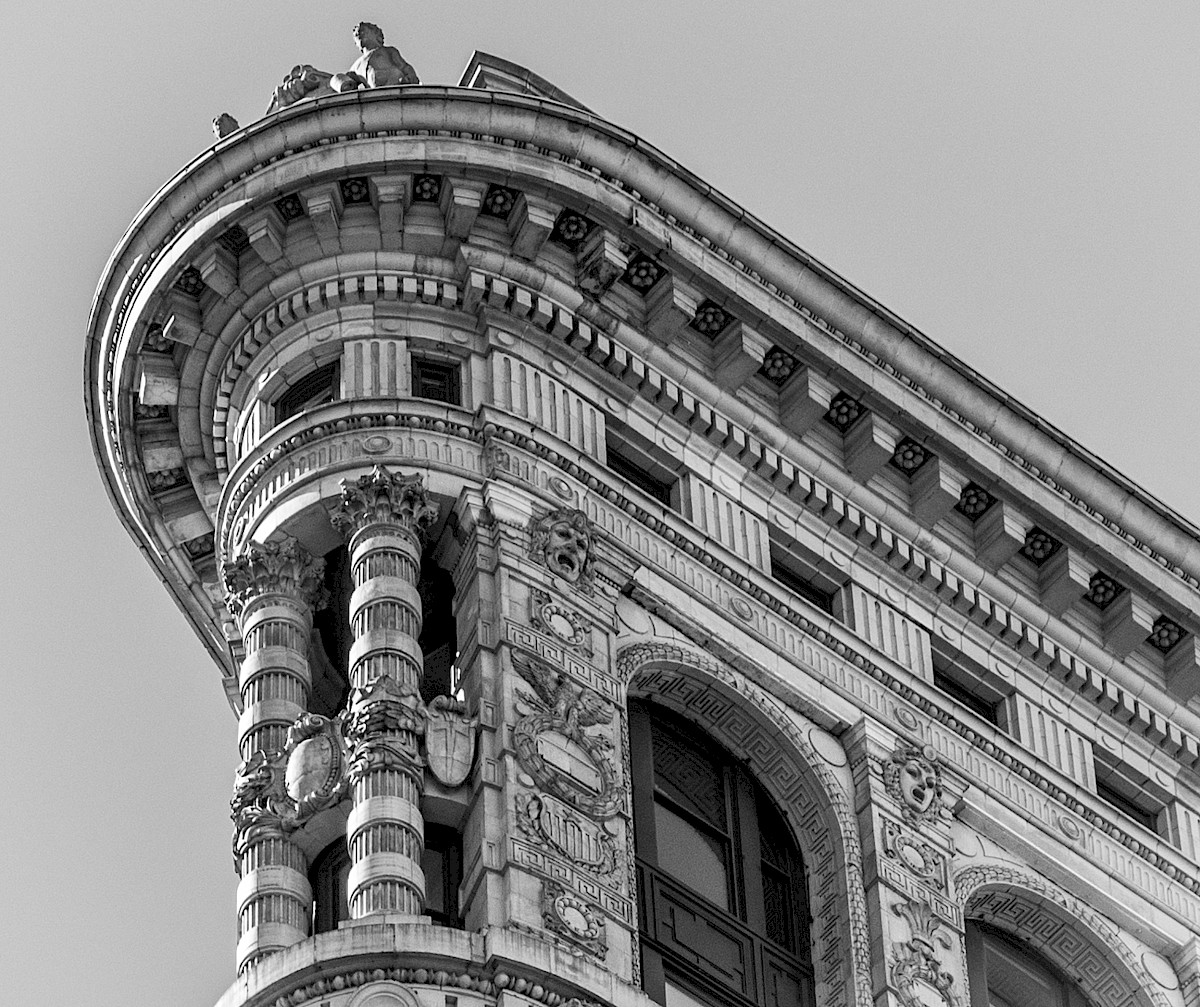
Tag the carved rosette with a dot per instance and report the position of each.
(572, 919)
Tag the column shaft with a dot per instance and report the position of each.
(385, 515)
(272, 589)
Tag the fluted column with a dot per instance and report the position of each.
(271, 591)
(384, 516)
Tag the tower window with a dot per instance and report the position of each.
(717, 870)
(436, 381)
(314, 389)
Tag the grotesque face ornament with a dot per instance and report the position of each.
(562, 540)
(567, 550)
(918, 785)
(912, 777)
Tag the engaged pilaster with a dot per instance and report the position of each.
(271, 590)
(384, 516)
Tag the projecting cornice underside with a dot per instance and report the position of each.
(211, 253)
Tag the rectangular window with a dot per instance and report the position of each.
(966, 682)
(1121, 787)
(312, 390)
(632, 472)
(972, 699)
(641, 463)
(786, 569)
(441, 863)
(436, 381)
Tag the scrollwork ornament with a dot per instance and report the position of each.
(564, 708)
(562, 542)
(260, 806)
(915, 963)
(283, 568)
(384, 497)
(913, 778)
(384, 722)
(556, 827)
(317, 758)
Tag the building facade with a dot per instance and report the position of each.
(616, 605)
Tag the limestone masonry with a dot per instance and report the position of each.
(616, 605)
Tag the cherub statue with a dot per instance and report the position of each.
(378, 66)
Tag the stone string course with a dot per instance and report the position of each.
(491, 432)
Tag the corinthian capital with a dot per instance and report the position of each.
(273, 568)
(384, 497)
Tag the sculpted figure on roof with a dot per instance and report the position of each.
(378, 66)
(301, 81)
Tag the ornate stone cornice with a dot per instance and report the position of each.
(283, 568)
(384, 497)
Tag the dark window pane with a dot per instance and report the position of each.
(688, 777)
(777, 907)
(435, 381)
(691, 856)
(312, 390)
(632, 472)
(441, 862)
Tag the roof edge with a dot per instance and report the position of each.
(492, 73)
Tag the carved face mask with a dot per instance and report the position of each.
(918, 785)
(566, 551)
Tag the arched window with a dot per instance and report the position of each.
(723, 905)
(1005, 973)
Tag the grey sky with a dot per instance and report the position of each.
(1017, 180)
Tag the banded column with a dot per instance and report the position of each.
(271, 590)
(384, 516)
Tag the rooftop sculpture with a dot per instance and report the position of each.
(378, 65)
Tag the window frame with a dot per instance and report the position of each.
(745, 921)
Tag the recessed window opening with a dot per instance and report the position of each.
(437, 381)
(718, 869)
(441, 863)
(314, 389)
(963, 694)
(957, 678)
(1003, 972)
(787, 571)
(1118, 786)
(633, 473)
